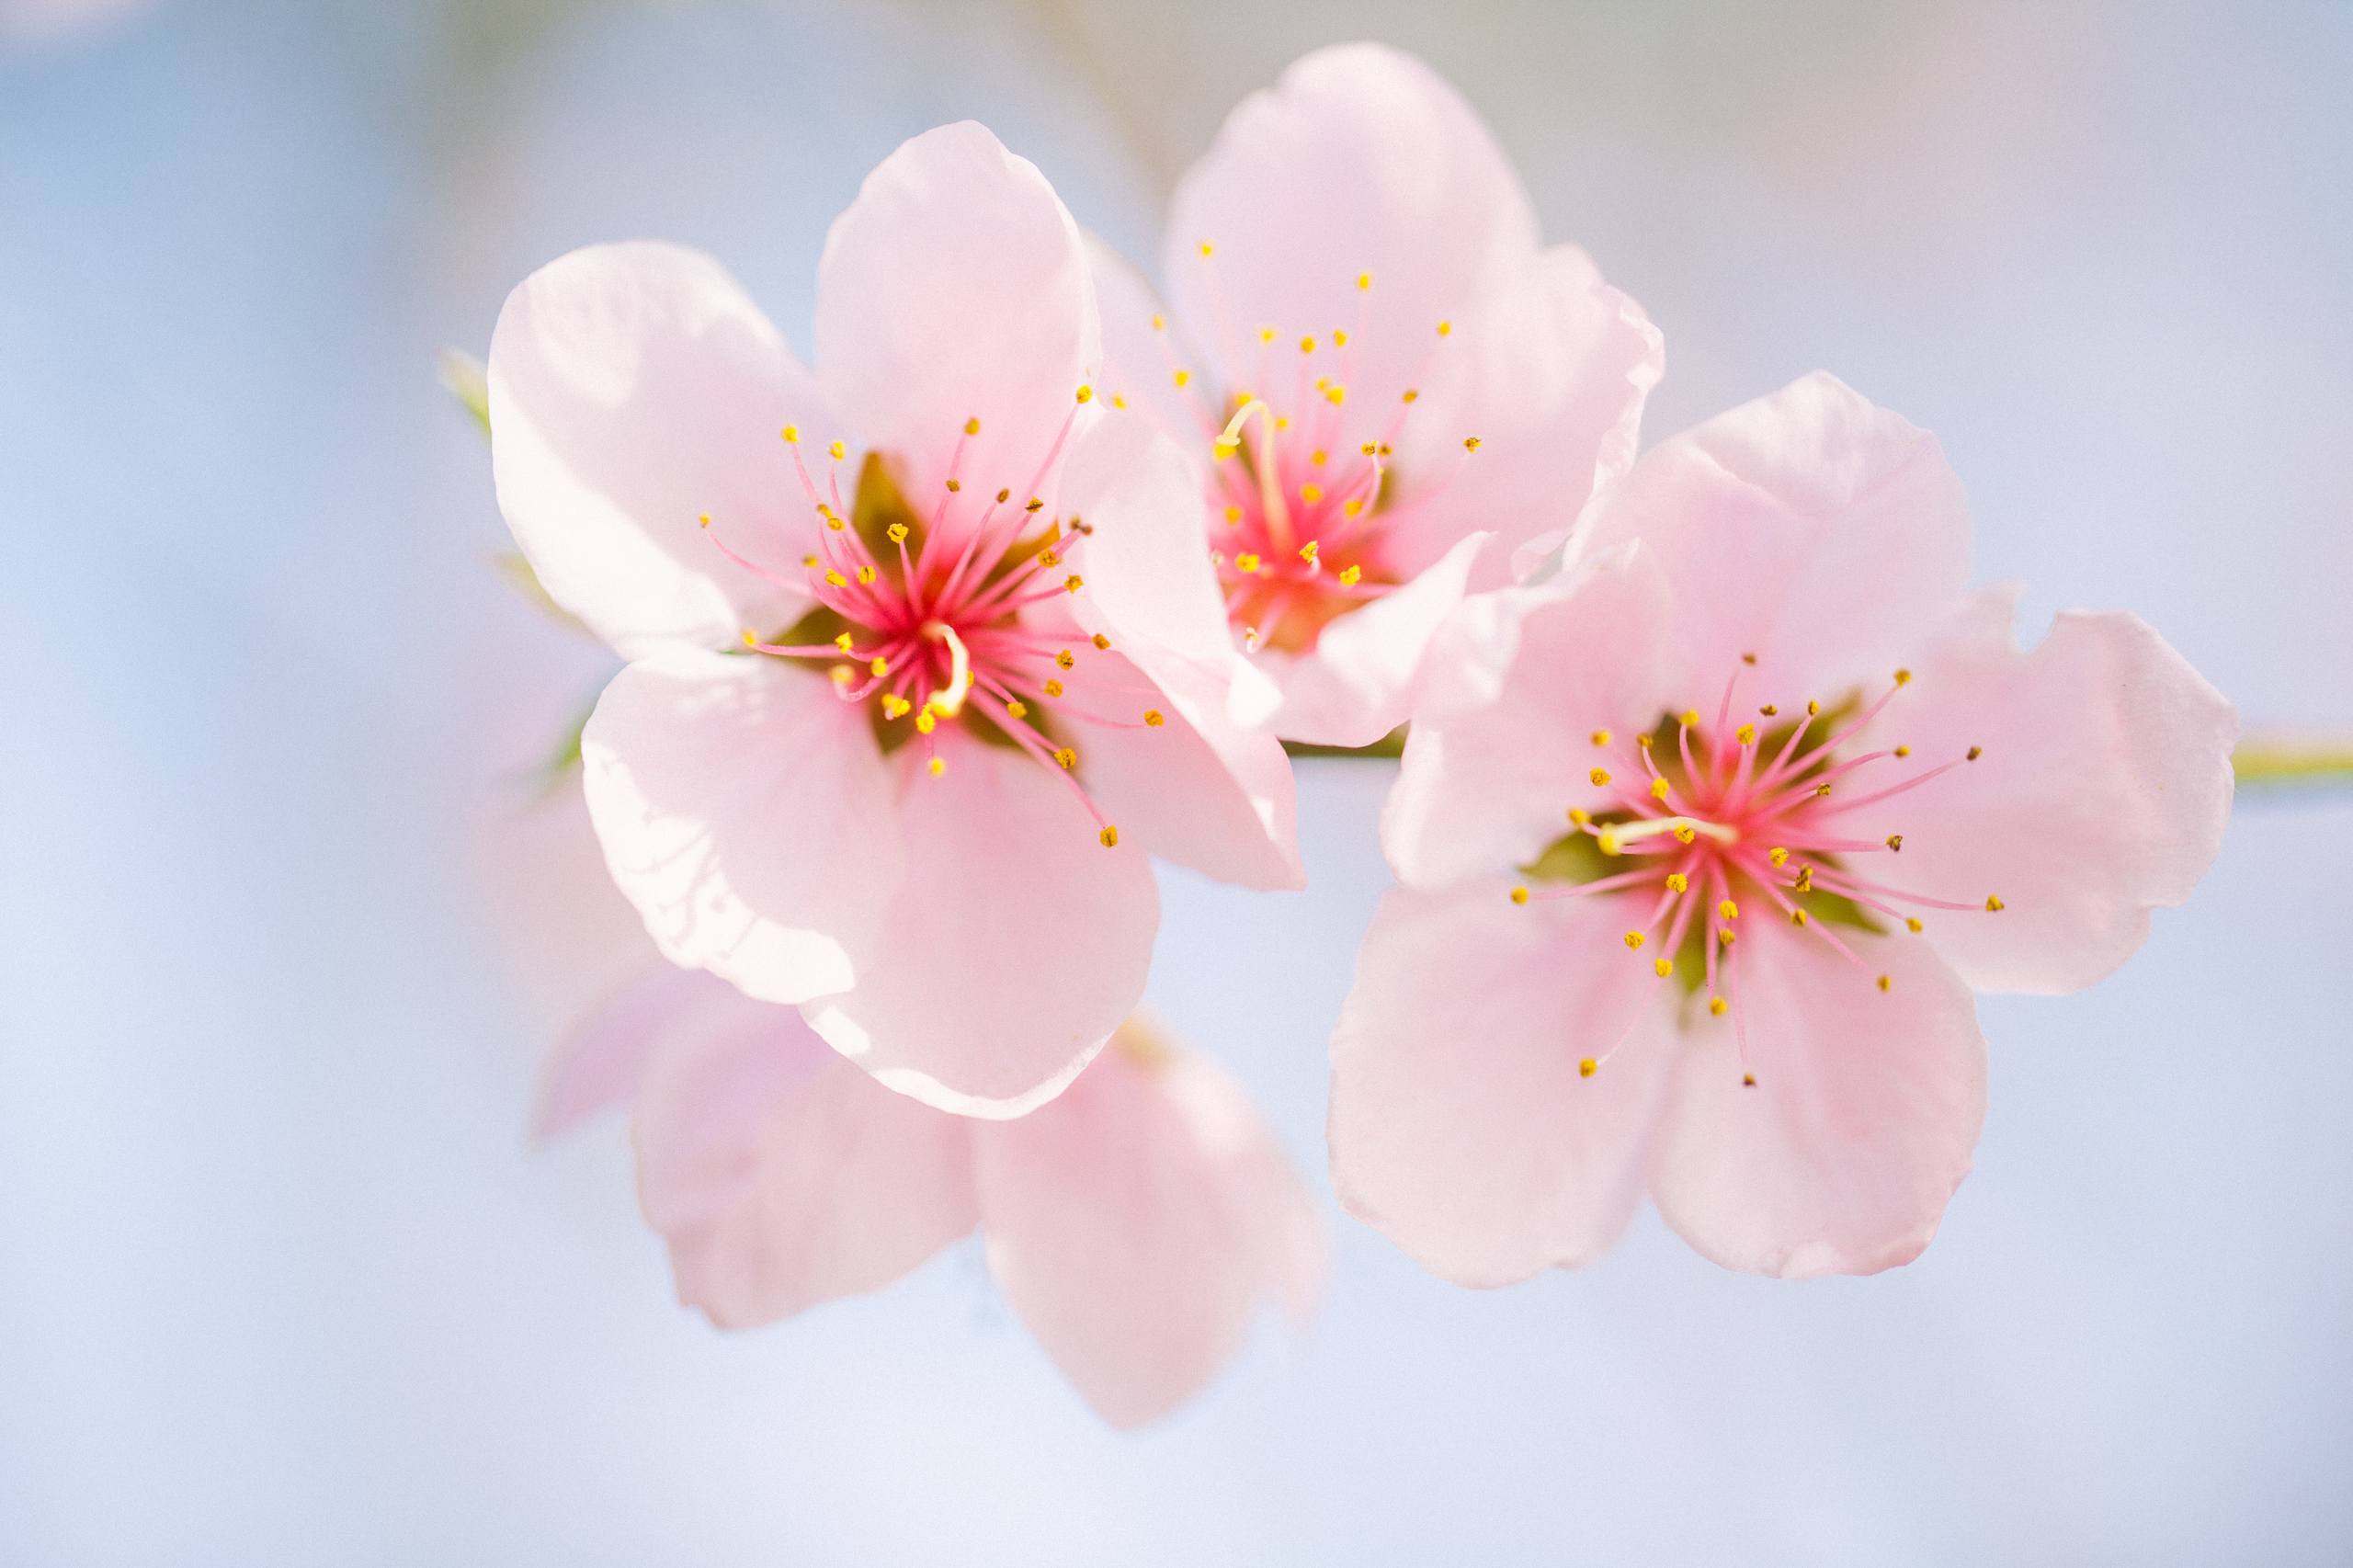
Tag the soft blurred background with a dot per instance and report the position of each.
(281, 1280)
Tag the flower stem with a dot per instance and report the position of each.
(2274, 760)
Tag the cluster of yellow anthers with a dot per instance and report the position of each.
(943, 630)
(1719, 820)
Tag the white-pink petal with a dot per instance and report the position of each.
(1461, 1126)
(1841, 1157)
(634, 388)
(744, 810)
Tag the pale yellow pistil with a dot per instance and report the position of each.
(1615, 837)
(1270, 492)
(949, 701)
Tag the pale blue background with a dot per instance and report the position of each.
(280, 1281)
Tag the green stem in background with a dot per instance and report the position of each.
(2271, 761)
(1389, 746)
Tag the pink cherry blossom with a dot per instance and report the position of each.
(1136, 1225)
(1391, 390)
(1707, 845)
(914, 688)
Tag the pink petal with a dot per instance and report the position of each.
(1014, 948)
(1865, 1108)
(1357, 683)
(1460, 1125)
(781, 1176)
(1140, 360)
(1361, 160)
(2102, 793)
(744, 810)
(1502, 745)
(955, 288)
(1809, 528)
(1149, 581)
(1549, 374)
(1198, 789)
(598, 1066)
(633, 388)
(1138, 1223)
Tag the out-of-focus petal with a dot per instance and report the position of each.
(2101, 792)
(1015, 946)
(1141, 359)
(634, 388)
(1360, 161)
(1138, 1223)
(744, 809)
(1808, 527)
(1840, 1159)
(955, 288)
(781, 1176)
(598, 1066)
(1461, 1126)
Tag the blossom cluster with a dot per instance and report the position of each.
(1724, 791)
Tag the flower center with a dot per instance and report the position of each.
(1704, 826)
(1302, 491)
(962, 618)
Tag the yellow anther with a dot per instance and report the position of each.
(1065, 658)
(1726, 935)
(809, 561)
(1016, 708)
(842, 674)
(1886, 982)
(953, 485)
(837, 451)
(1469, 443)
(1339, 338)
(1662, 967)
(1685, 832)
(1053, 689)
(1411, 394)
(866, 575)
(1688, 718)
(1086, 394)
(1349, 575)
(1351, 507)
(1266, 335)
(1153, 718)
(1976, 752)
(1813, 709)
(1644, 741)
(1903, 751)
(939, 765)
(1311, 493)
(1206, 247)
(1445, 328)
(1903, 678)
(1745, 735)
(1579, 816)
(894, 706)
(1159, 322)
(1245, 562)
(1109, 837)
(880, 666)
(1779, 857)
(1821, 791)
(1769, 711)
(1335, 395)
(842, 642)
(1307, 346)
(1804, 882)
(1718, 1006)
(1601, 776)
(792, 433)
(1729, 910)
(703, 518)
(1234, 517)
(1994, 905)
(1588, 1067)
(972, 425)
(1610, 842)
(751, 639)
(1067, 757)
(1519, 895)
(1073, 582)
(1678, 883)
(1180, 377)
(1033, 504)
(1748, 1080)
(1634, 940)
(1911, 923)
(925, 720)
(836, 580)
(1102, 643)
(1047, 560)
(1748, 659)
(1600, 737)
(897, 532)
(1895, 841)
(1797, 916)
(1658, 789)
(1002, 496)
